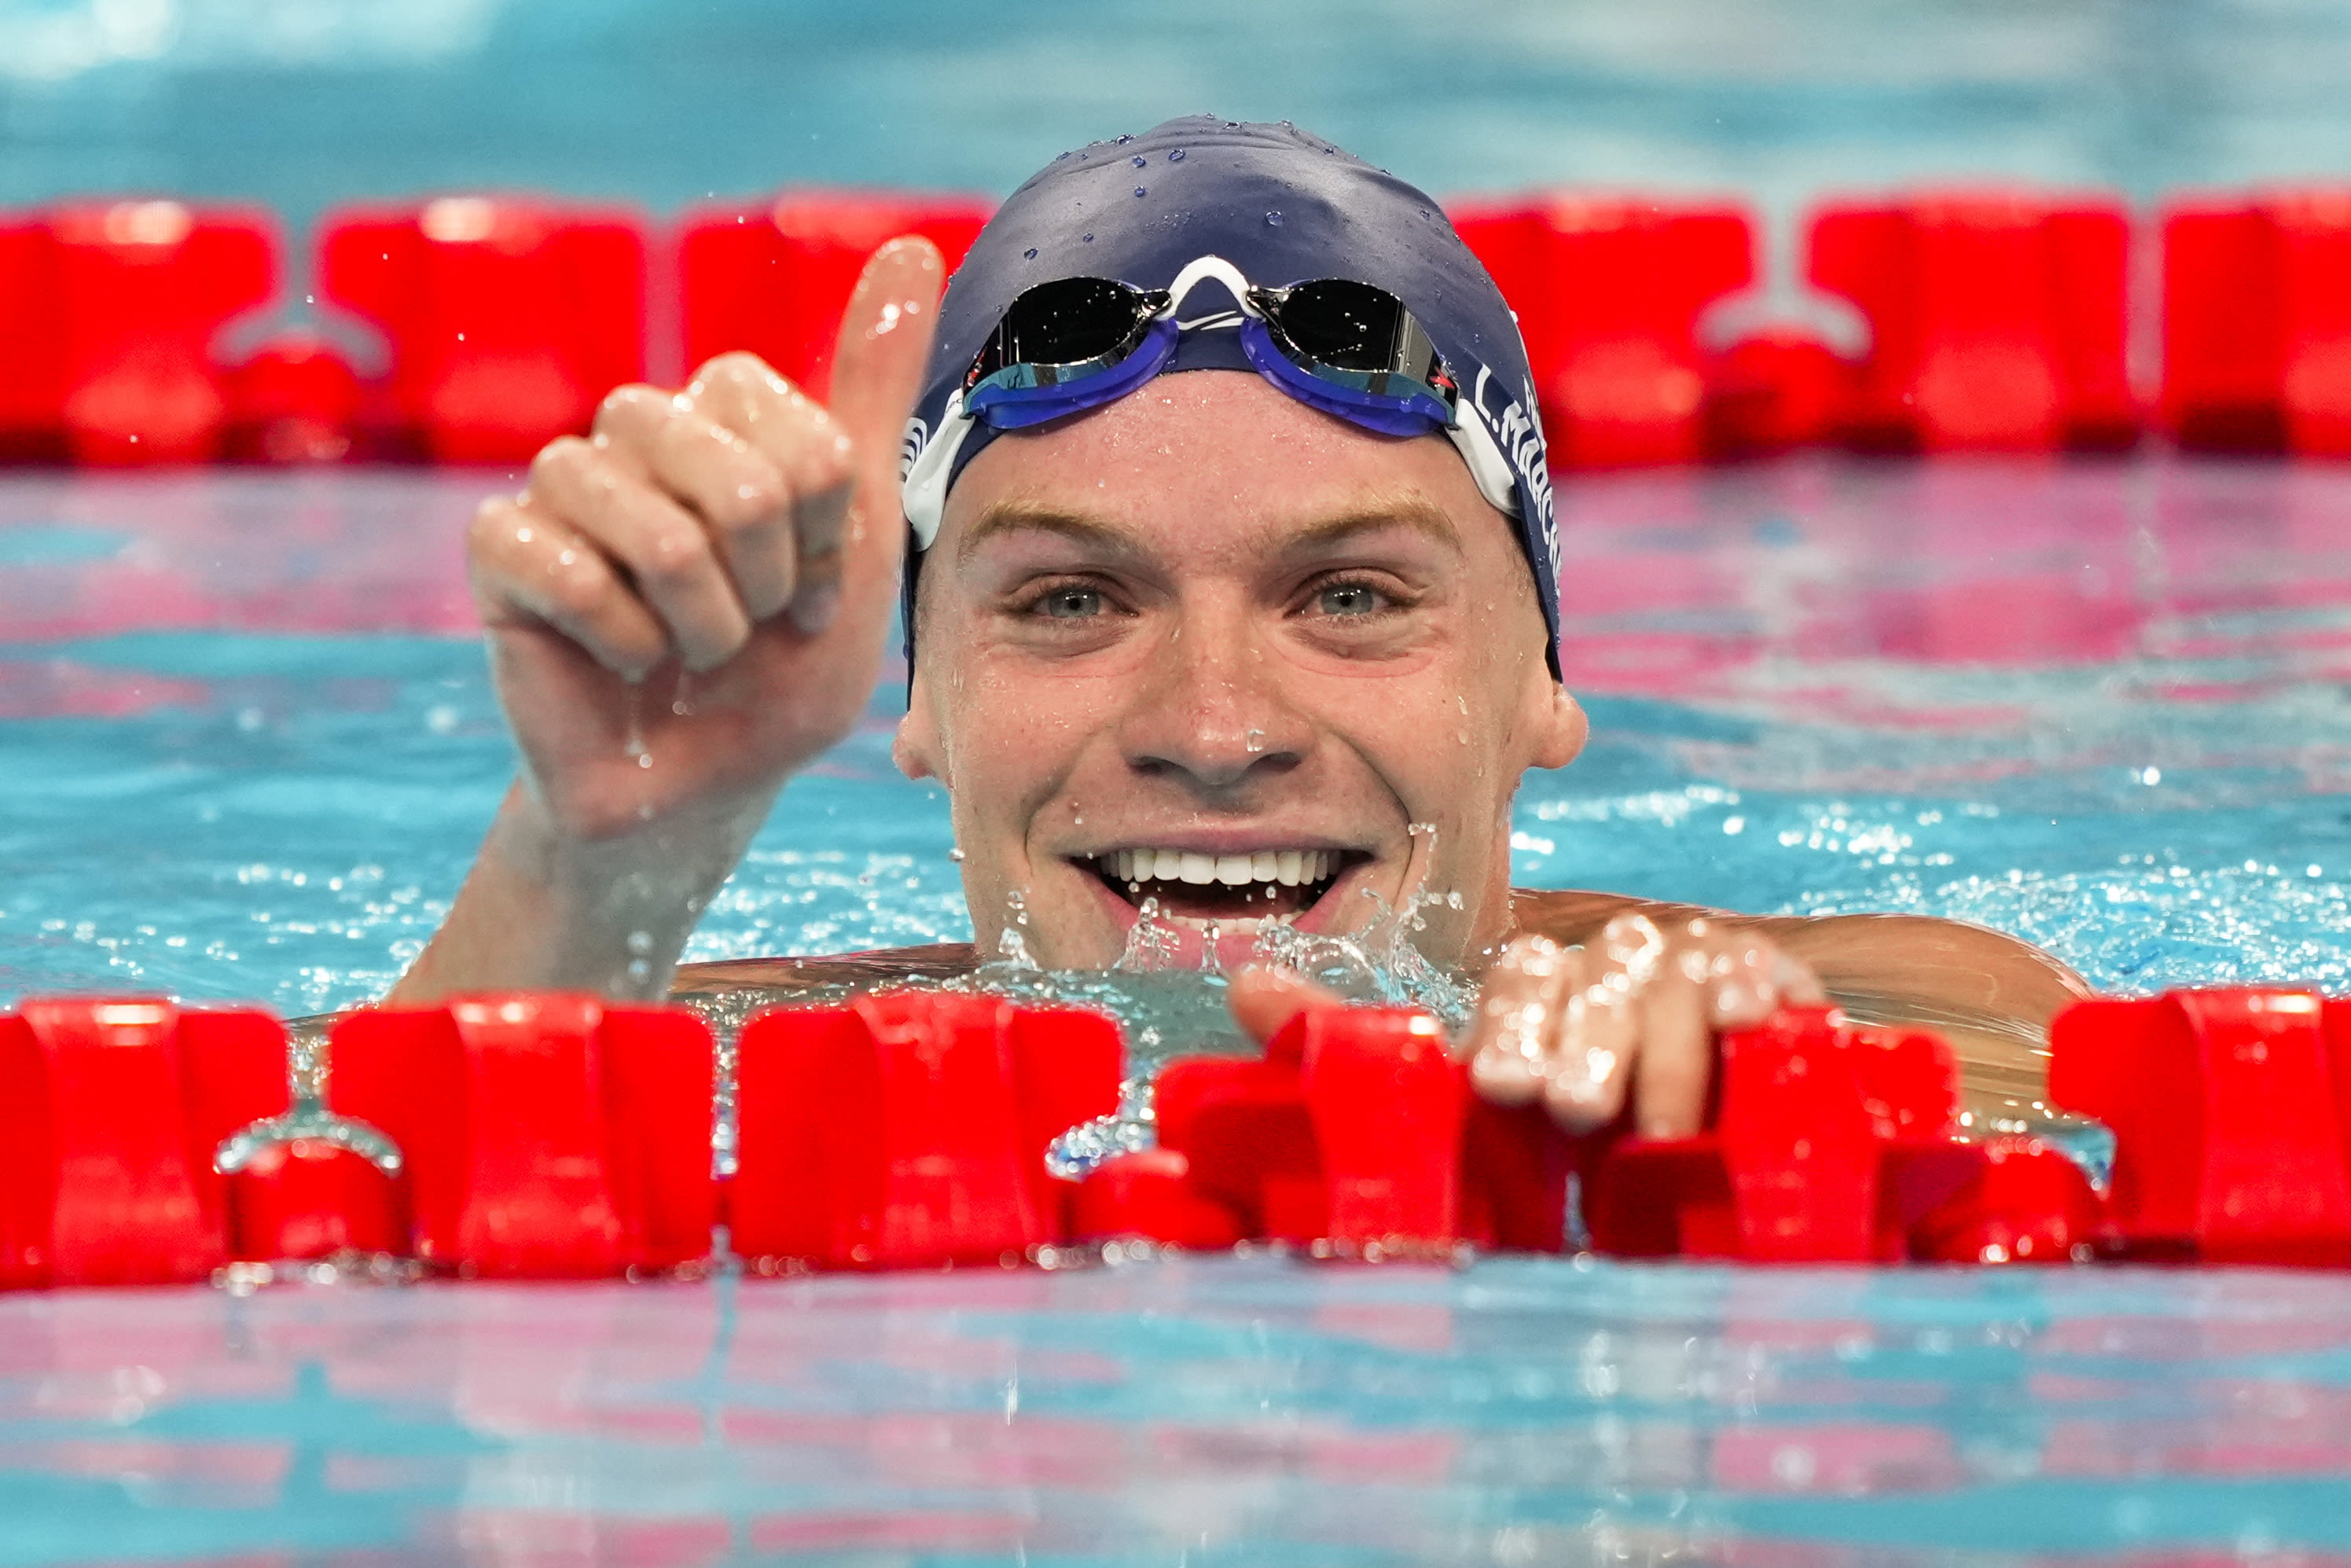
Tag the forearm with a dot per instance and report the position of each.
(542, 909)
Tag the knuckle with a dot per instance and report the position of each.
(627, 405)
(741, 371)
(565, 458)
(673, 557)
(579, 593)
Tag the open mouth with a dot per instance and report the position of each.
(1265, 884)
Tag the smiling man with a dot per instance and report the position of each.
(1269, 642)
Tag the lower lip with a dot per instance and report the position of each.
(1188, 938)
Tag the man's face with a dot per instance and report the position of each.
(1208, 646)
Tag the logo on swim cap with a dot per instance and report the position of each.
(910, 445)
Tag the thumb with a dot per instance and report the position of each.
(877, 373)
(1263, 1000)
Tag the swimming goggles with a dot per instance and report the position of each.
(1349, 349)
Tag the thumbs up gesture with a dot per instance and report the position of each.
(684, 609)
(689, 605)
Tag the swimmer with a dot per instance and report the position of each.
(1216, 498)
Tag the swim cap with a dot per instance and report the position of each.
(1284, 208)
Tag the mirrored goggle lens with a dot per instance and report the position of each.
(1065, 330)
(1355, 335)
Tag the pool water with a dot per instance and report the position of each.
(249, 746)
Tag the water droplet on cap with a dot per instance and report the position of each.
(1088, 239)
(1140, 161)
(1028, 254)
(1176, 156)
(1124, 140)
(1139, 191)
(1274, 219)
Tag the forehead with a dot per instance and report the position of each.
(1215, 459)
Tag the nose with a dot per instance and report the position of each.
(1211, 714)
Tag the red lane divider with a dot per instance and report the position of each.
(2257, 322)
(1347, 1135)
(293, 400)
(107, 312)
(112, 1111)
(775, 277)
(509, 319)
(544, 1135)
(2229, 1110)
(1608, 291)
(910, 1130)
(552, 1135)
(1831, 1144)
(1999, 320)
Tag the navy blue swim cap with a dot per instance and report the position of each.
(1284, 208)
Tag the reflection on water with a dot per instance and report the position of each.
(1231, 1411)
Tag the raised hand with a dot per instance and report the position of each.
(689, 605)
(683, 609)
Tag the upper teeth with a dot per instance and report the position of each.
(1291, 868)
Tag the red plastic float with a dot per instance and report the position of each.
(1999, 319)
(509, 319)
(108, 314)
(1831, 1144)
(775, 277)
(545, 1134)
(910, 1130)
(293, 400)
(2229, 1110)
(113, 1111)
(1346, 1136)
(2257, 322)
(1608, 291)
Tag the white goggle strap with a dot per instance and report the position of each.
(923, 485)
(1497, 481)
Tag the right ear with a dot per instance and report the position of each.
(915, 749)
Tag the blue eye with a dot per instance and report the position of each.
(1069, 603)
(1349, 599)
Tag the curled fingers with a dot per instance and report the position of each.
(528, 567)
(664, 549)
(811, 454)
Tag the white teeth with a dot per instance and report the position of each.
(1287, 868)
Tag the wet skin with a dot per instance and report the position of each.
(1164, 649)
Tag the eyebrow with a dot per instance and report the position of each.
(1020, 517)
(1411, 513)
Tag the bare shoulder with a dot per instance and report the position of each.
(1990, 994)
(783, 979)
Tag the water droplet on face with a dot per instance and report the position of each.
(1176, 156)
(1273, 219)
(955, 855)
(1254, 741)
(1141, 161)
(1028, 254)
